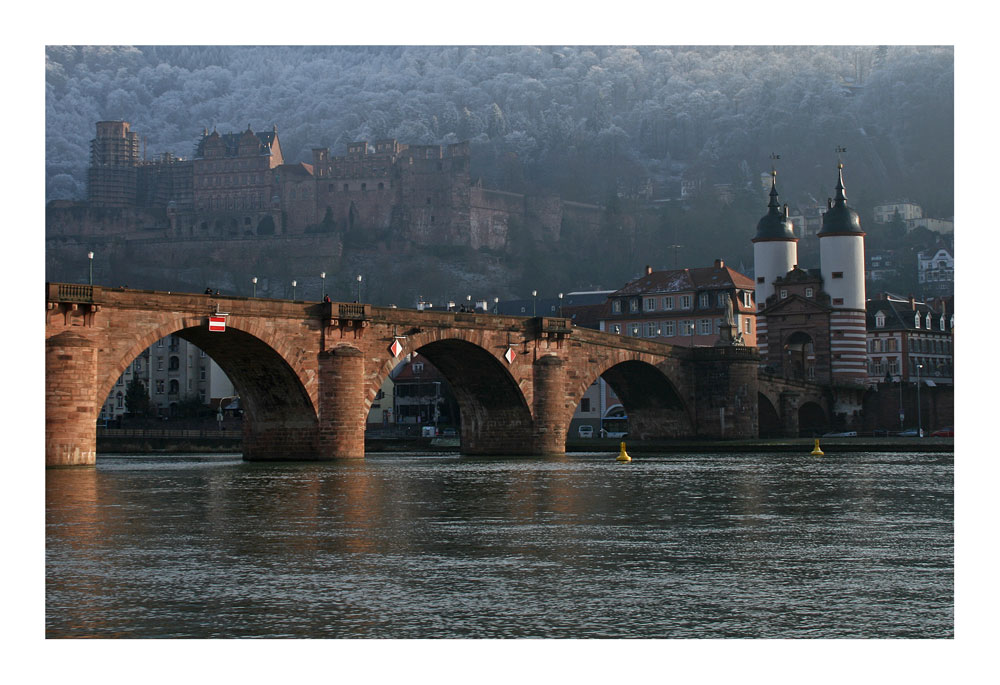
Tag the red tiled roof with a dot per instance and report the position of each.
(680, 280)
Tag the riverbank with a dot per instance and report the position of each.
(134, 444)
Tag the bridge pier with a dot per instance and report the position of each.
(342, 410)
(551, 418)
(789, 410)
(70, 405)
(726, 392)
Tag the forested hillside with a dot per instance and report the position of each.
(585, 122)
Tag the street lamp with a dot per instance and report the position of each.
(293, 288)
(322, 276)
(496, 305)
(468, 298)
(254, 280)
(534, 294)
(920, 426)
(359, 287)
(560, 304)
(90, 257)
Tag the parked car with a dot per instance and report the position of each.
(449, 433)
(946, 432)
(586, 431)
(908, 433)
(841, 434)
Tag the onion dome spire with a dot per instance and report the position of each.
(775, 225)
(839, 219)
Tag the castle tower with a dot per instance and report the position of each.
(775, 253)
(842, 264)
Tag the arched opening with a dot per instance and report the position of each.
(812, 420)
(768, 421)
(799, 357)
(652, 407)
(266, 226)
(492, 415)
(414, 400)
(265, 396)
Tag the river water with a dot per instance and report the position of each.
(439, 546)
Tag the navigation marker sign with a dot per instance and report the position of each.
(395, 348)
(217, 323)
(509, 355)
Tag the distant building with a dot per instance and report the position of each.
(903, 333)
(881, 265)
(683, 306)
(936, 272)
(421, 395)
(885, 213)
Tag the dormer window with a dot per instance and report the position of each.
(941, 322)
(703, 301)
(616, 306)
(633, 305)
(916, 320)
(880, 320)
(809, 292)
(928, 321)
(783, 293)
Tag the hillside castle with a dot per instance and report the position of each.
(238, 185)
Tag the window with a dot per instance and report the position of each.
(159, 363)
(159, 387)
(941, 322)
(159, 343)
(616, 307)
(634, 330)
(686, 327)
(838, 274)
(809, 292)
(916, 320)
(668, 303)
(175, 363)
(685, 302)
(650, 304)
(747, 298)
(783, 293)
(703, 301)
(880, 320)
(668, 329)
(890, 345)
(760, 279)
(345, 187)
(838, 300)
(616, 329)
(747, 326)
(633, 305)
(874, 345)
(201, 353)
(585, 405)
(652, 329)
(201, 374)
(704, 326)
(894, 366)
(927, 321)
(418, 367)
(119, 400)
(175, 387)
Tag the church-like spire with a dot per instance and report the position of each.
(775, 225)
(839, 218)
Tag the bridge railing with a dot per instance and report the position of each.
(70, 292)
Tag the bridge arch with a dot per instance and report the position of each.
(654, 407)
(494, 411)
(278, 395)
(768, 420)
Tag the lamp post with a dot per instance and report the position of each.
(560, 304)
(534, 294)
(322, 276)
(254, 281)
(90, 258)
(920, 426)
(496, 305)
(468, 298)
(359, 287)
(293, 288)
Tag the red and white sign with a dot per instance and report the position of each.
(509, 355)
(395, 348)
(217, 324)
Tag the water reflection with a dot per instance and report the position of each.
(439, 546)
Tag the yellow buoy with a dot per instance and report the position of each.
(623, 455)
(816, 450)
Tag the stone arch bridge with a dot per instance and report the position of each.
(307, 373)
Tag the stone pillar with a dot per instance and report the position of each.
(342, 410)
(726, 393)
(71, 406)
(551, 417)
(789, 408)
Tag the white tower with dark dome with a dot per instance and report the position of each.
(775, 253)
